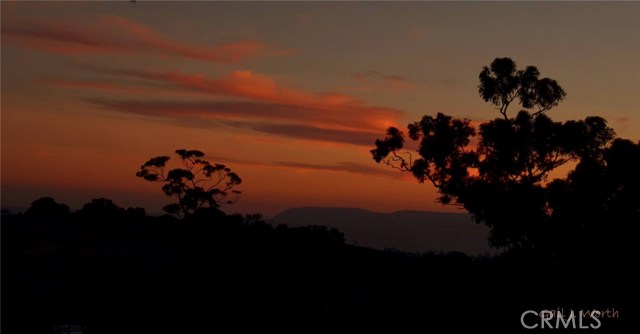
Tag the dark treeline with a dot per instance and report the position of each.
(116, 270)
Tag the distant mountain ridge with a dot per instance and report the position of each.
(406, 230)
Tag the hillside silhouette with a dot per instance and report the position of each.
(408, 231)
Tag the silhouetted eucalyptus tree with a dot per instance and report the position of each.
(502, 177)
(199, 185)
(501, 83)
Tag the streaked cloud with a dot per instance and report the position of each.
(348, 167)
(338, 167)
(119, 35)
(365, 76)
(255, 86)
(246, 110)
(241, 100)
(270, 119)
(397, 83)
(307, 132)
(375, 81)
(101, 85)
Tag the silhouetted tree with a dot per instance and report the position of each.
(501, 83)
(106, 210)
(199, 185)
(598, 201)
(501, 178)
(47, 208)
(100, 207)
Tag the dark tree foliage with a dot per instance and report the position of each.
(598, 201)
(198, 185)
(104, 209)
(502, 83)
(47, 208)
(499, 172)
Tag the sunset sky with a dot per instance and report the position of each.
(291, 96)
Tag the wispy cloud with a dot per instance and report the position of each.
(275, 120)
(397, 83)
(119, 35)
(243, 100)
(255, 86)
(101, 85)
(348, 167)
(252, 102)
(308, 132)
(374, 80)
(246, 110)
(338, 167)
(365, 76)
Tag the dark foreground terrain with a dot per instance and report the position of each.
(135, 274)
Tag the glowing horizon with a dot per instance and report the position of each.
(291, 96)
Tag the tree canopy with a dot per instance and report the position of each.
(198, 185)
(501, 83)
(500, 170)
(47, 207)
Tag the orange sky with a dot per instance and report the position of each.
(291, 96)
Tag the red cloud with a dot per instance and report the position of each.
(116, 34)
(239, 110)
(269, 100)
(273, 119)
(348, 167)
(341, 167)
(310, 132)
